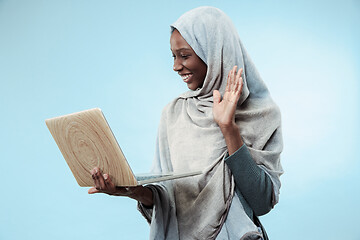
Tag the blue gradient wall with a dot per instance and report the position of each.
(58, 57)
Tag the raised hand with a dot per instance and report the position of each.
(224, 109)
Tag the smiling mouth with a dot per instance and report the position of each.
(186, 77)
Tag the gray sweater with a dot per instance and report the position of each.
(253, 185)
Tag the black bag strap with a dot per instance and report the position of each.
(258, 223)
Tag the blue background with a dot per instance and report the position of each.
(58, 57)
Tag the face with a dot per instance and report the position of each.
(188, 65)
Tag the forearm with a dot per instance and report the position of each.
(251, 180)
(254, 184)
(143, 195)
(232, 137)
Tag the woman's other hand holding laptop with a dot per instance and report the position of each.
(103, 184)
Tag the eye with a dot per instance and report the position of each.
(185, 56)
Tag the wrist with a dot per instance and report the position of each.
(135, 192)
(232, 137)
(229, 128)
(143, 195)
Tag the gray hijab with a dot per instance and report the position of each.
(189, 139)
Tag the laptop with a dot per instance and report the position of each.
(86, 140)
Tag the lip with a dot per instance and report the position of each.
(186, 77)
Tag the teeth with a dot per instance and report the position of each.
(185, 77)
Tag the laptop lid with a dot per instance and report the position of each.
(86, 141)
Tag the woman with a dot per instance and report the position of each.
(226, 125)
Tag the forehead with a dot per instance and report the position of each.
(177, 42)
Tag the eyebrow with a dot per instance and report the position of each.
(180, 49)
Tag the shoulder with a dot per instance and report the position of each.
(172, 107)
(171, 112)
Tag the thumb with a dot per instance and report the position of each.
(216, 97)
(93, 190)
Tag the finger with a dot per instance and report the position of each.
(228, 82)
(236, 85)
(238, 80)
(241, 81)
(94, 176)
(106, 178)
(239, 72)
(233, 83)
(109, 184)
(98, 179)
(102, 185)
(216, 97)
(238, 75)
(92, 171)
(241, 85)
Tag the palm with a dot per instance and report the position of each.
(224, 110)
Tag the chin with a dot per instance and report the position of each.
(194, 85)
(192, 88)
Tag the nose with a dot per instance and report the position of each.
(177, 65)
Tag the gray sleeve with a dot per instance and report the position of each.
(251, 180)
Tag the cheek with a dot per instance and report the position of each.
(205, 71)
(202, 72)
(201, 67)
(194, 66)
(198, 68)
